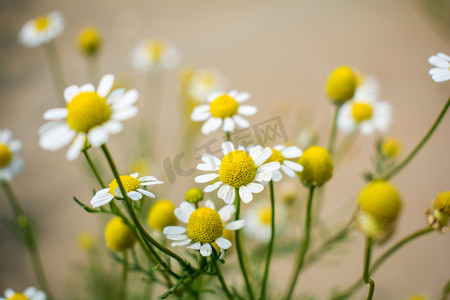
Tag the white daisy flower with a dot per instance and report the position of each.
(367, 116)
(154, 55)
(442, 63)
(31, 293)
(10, 162)
(259, 221)
(239, 169)
(132, 186)
(283, 154)
(205, 226)
(223, 109)
(90, 116)
(205, 82)
(368, 87)
(42, 29)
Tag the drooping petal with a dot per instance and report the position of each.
(56, 137)
(146, 193)
(205, 250)
(177, 237)
(212, 124)
(235, 225)
(230, 196)
(76, 147)
(97, 136)
(228, 125)
(245, 194)
(133, 195)
(293, 165)
(195, 246)
(288, 171)
(255, 187)
(262, 157)
(223, 243)
(182, 243)
(227, 212)
(241, 122)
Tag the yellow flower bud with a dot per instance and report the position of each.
(118, 236)
(194, 195)
(391, 147)
(380, 200)
(418, 297)
(341, 84)
(86, 241)
(317, 166)
(161, 214)
(442, 202)
(89, 40)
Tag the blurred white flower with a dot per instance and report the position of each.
(42, 29)
(154, 54)
(259, 220)
(204, 82)
(10, 162)
(442, 63)
(31, 293)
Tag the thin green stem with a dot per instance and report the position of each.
(366, 275)
(220, 276)
(445, 291)
(228, 134)
(271, 242)
(304, 248)
(239, 250)
(134, 217)
(123, 287)
(56, 71)
(333, 133)
(419, 146)
(347, 293)
(30, 239)
(93, 68)
(93, 168)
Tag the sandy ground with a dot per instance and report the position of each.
(280, 52)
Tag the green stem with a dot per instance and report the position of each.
(29, 239)
(228, 134)
(56, 71)
(270, 247)
(359, 283)
(220, 276)
(93, 168)
(366, 275)
(239, 249)
(93, 68)
(123, 288)
(305, 245)
(445, 291)
(333, 133)
(133, 215)
(430, 132)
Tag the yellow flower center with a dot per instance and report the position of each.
(204, 226)
(237, 169)
(41, 23)
(207, 80)
(5, 155)
(276, 156)
(86, 111)
(89, 40)
(118, 236)
(362, 111)
(442, 202)
(155, 49)
(223, 107)
(18, 296)
(129, 183)
(161, 215)
(391, 147)
(265, 216)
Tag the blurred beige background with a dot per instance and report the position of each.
(280, 52)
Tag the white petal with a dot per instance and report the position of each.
(288, 171)
(70, 92)
(30, 291)
(210, 204)
(441, 78)
(15, 146)
(115, 96)
(293, 165)
(443, 56)
(147, 178)
(228, 125)
(127, 100)
(135, 175)
(212, 187)
(146, 193)
(177, 237)
(241, 97)
(201, 113)
(230, 196)
(260, 159)
(188, 208)
(6, 135)
(214, 95)
(269, 167)
(235, 225)
(97, 136)
(76, 147)
(118, 192)
(211, 125)
(125, 114)
(211, 160)
(101, 198)
(227, 212)
(133, 195)
(174, 230)
(146, 183)
(55, 114)
(206, 177)
(223, 243)
(247, 110)
(292, 152)
(245, 194)
(205, 250)
(241, 122)
(277, 176)
(223, 191)
(39, 295)
(105, 85)
(263, 177)
(113, 127)
(88, 87)
(438, 62)
(227, 147)
(182, 243)
(195, 246)
(181, 215)
(56, 137)
(255, 187)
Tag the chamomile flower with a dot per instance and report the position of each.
(10, 162)
(204, 82)
(365, 115)
(223, 110)
(154, 54)
(282, 154)
(239, 169)
(132, 186)
(259, 221)
(90, 116)
(30, 293)
(42, 30)
(205, 226)
(442, 63)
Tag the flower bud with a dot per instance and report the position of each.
(89, 40)
(341, 84)
(194, 195)
(118, 236)
(161, 214)
(317, 166)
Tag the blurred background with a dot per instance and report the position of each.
(281, 52)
